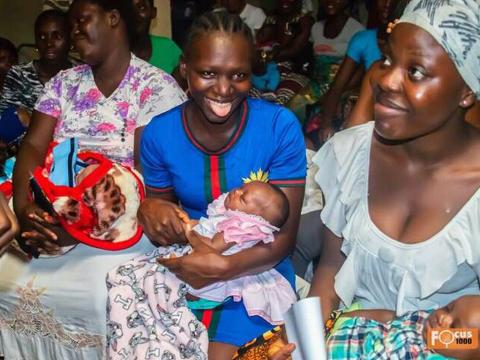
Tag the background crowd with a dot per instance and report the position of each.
(282, 91)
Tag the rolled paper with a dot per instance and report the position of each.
(304, 327)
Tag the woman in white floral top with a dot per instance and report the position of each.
(54, 307)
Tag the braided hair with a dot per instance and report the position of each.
(220, 21)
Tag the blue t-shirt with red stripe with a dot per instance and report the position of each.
(268, 138)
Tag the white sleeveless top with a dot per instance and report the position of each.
(381, 272)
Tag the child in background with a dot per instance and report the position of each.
(265, 72)
(8, 58)
(148, 304)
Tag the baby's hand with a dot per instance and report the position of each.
(218, 243)
(183, 216)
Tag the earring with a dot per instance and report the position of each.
(391, 25)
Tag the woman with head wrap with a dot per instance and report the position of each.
(402, 193)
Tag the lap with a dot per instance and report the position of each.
(59, 302)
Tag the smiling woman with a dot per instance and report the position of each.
(104, 104)
(208, 146)
(402, 192)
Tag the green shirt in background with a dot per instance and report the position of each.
(165, 53)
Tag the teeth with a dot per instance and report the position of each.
(220, 109)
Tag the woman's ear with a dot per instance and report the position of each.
(468, 99)
(114, 17)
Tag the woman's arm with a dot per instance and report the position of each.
(30, 155)
(323, 284)
(363, 109)
(206, 265)
(332, 97)
(297, 43)
(34, 222)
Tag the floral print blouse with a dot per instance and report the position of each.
(107, 124)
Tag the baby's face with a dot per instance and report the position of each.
(255, 198)
(461, 313)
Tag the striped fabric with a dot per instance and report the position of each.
(62, 5)
(21, 88)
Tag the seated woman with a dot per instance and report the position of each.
(330, 37)
(60, 301)
(8, 58)
(210, 145)
(291, 28)
(236, 220)
(401, 212)
(24, 83)
(364, 49)
(422, 92)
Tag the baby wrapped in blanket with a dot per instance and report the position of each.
(94, 199)
(148, 311)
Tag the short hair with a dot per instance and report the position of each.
(221, 21)
(125, 9)
(284, 208)
(52, 14)
(6, 44)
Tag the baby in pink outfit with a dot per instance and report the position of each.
(147, 305)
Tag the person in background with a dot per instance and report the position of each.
(253, 16)
(24, 83)
(59, 299)
(330, 37)
(289, 30)
(8, 58)
(364, 49)
(183, 12)
(159, 51)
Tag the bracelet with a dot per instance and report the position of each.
(330, 323)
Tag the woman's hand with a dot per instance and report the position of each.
(161, 221)
(204, 266)
(38, 230)
(284, 353)
(8, 223)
